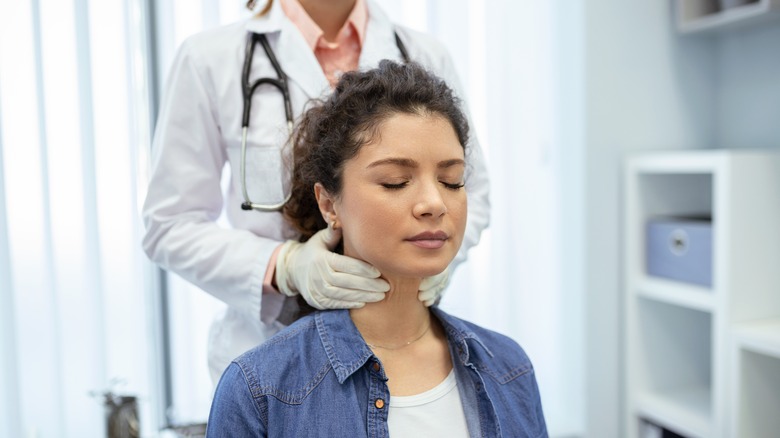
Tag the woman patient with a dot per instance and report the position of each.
(382, 162)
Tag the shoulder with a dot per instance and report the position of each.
(287, 366)
(424, 41)
(425, 48)
(499, 355)
(432, 54)
(504, 348)
(213, 45)
(284, 346)
(280, 368)
(234, 410)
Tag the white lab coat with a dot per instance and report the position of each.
(199, 130)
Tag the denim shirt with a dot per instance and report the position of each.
(319, 378)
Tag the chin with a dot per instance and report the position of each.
(412, 264)
(418, 269)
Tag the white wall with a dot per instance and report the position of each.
(748, 88)
(645, 88)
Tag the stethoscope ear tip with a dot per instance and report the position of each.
(246, 206)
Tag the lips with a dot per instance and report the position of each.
(429, 239)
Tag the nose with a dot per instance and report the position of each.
(430, 203)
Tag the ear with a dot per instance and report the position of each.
(327, 204)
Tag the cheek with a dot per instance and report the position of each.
(459, 214)
(365, 219)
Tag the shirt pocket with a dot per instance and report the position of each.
(504, 376)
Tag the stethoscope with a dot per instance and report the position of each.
(281, 84)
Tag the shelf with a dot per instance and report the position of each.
(699, 161)
(761, 336)
(679, 294)
(757, 406)
(672, 348)
(686, 411)
(698, 16)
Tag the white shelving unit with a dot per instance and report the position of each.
(756, 371)
(708, 16)
(679, 336)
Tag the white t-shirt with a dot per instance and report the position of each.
(433, 413)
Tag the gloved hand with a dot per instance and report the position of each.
(327, 280)
(432, 288)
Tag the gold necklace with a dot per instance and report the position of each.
(403, 345)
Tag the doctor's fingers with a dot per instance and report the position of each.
(343, 286)
(333, 297)
(352, 266)
(346, 299)
(323, 303)
(329, 237)
(431, 288)
(429, 296)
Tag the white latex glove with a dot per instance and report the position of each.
(432, 288)
(327, 280)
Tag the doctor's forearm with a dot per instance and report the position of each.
(229, 264)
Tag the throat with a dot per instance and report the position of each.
(398, 321)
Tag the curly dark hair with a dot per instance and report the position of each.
(333, 131)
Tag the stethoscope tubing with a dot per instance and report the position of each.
(248, 91)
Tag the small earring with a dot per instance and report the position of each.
(333, 225)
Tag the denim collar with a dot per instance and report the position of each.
(348, 352)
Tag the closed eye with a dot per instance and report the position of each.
(450, 186)
(395, 186)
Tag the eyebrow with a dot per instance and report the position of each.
(406, 162)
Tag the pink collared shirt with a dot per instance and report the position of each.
(335, 57)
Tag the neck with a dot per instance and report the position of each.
(399, 318)
(329, 15)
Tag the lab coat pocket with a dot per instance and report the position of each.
(268, 181)
(267, 168)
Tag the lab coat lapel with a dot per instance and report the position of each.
(294, 55)
(379, 42)
(299, 63)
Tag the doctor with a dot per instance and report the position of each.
(257, 266)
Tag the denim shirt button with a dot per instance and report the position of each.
(375, 366)
(379, 403)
